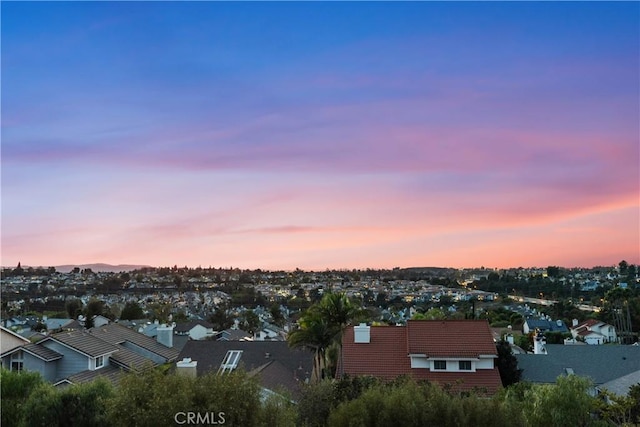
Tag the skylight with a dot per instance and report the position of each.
(230, 361)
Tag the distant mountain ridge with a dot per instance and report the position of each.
(100, 267)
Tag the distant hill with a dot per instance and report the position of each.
(107, 268)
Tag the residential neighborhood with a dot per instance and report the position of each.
(440, 326)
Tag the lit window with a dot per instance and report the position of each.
(440, 365)
(464, 365)
(99, 362)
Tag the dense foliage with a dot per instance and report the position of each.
(155, 397)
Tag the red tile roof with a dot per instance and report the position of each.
(386, 356)
(450, 338)
(589, 323)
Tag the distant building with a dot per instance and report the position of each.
(544, 325)
(594, 331)
(195, 329)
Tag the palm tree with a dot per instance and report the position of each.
(338, 309)
(316, 333)
(322, 326)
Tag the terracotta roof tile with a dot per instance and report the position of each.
(386, 356)
(455, 338)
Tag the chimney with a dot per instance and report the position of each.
(539, 343)
(187, 367)
(165, 335)
(574, 322)
(362, 333)
(509, 338)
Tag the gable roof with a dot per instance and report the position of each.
(39, 351)
(42, 352)
(602, 363)
(83, 342)
(187, 326)
(622, 385)
(453, 338)
(588, 323)
(117, 334)
(387, 354)
(13, 334)
(232, 335)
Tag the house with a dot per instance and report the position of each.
(10, 340)
(81, 355)
(158, 350)
(56, 325)
(606, 365)
(277, 366)
(594, 331)
(270, 332)
(543, 325)
(80, 350)
(233, 335)
(454, 353)
(195, 329)
(100, 320)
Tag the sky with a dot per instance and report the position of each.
(315, 135)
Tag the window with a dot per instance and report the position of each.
(440, 365)
(17, 361)
(230, 361)
(99, 362)
(464, 365)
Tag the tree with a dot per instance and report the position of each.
(276, 313)
(95, 307)
(565, 403)
(73, 307)
(15, 388)
(131, 311)
(623, 267)
(431, 314)
(251, 322)
(553, 271)
(322, 325)
(316, 333)
(220, 319)
(160, 311)
(408, 403)
(507, 364)
(153, 399)
(83, 405)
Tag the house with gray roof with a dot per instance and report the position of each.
(195, 329)
(606, 365)
(277, 366)
(80, 356)
(543, 325)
